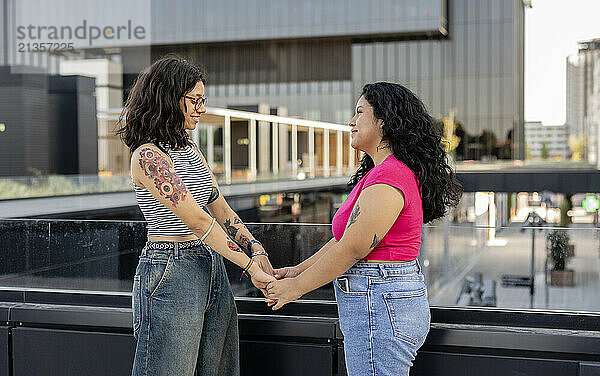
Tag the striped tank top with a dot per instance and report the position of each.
(197, 179)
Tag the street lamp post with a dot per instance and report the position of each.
(533, 221)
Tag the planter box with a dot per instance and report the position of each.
(562, 278)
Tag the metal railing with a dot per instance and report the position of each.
(273, 141)
(461, 264)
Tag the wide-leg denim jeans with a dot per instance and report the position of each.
(384, 316)
(184, 314)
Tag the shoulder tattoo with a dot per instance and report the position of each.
(165, 179)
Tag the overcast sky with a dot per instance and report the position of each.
(552, 30)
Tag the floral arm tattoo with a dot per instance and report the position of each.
(237, 230)
(165, 179)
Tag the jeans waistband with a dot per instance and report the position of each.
(385, 269)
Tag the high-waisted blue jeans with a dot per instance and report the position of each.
(384, 316)
(184, 314)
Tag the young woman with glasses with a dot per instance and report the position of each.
(184, 314)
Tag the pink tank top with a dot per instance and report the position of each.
(403, 240)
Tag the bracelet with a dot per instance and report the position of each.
(245, 271)
(249, 246)
(260, 253)
(209, 230)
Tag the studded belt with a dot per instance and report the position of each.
(171, 245)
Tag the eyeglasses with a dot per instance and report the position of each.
(197, 102)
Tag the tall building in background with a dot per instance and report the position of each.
(593, 116)
(575, 95)
(583, 96)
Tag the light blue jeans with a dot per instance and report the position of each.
(184, 314)
(384, 316)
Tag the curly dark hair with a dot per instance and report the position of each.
(152, 112)
(415, 141)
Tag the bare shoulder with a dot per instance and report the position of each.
(382, 195)
(146, 158)
(148, 150)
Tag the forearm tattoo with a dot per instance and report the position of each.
(165, 179)
(244, 240)
(375, 242)
(354, 215)
(214, 195)
(234, 247)
(232, 231)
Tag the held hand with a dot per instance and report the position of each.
(264, 263)
(259, 278)
(287, 272)
(282, 291)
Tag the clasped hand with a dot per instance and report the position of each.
(279, 286)
(285, 289)
(261, 273)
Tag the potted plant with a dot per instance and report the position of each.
(558, 243)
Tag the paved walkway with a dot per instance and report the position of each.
(515, 258)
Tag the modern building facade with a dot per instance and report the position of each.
(49, 124)
(554, 136)
(312, 58)
(458, 54)
(113, 155)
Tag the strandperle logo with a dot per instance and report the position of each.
(85, 32)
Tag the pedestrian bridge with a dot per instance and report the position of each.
(98, 202)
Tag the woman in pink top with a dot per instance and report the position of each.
(403, 181)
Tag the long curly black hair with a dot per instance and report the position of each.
(152, 112)
(415, 141)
